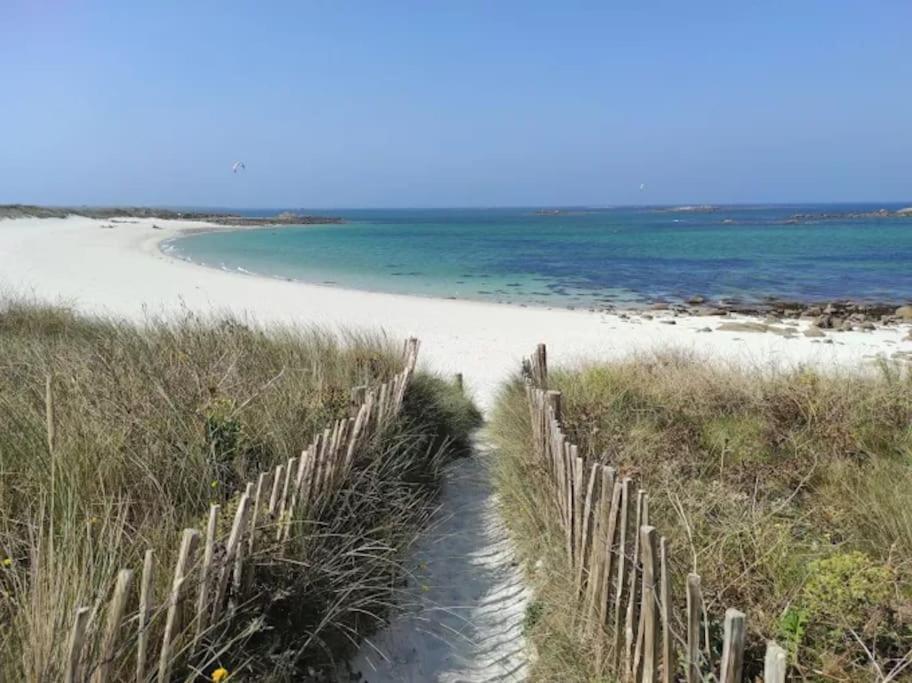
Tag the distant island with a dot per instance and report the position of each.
(109, 212)
(848, 215)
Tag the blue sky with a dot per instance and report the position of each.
(462, 103)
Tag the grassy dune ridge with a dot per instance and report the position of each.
(789, 492)
(151, 425)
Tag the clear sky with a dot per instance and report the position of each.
(460, 103)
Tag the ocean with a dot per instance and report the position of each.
(581, 257)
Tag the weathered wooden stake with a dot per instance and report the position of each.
(145, 613)
(77, 637)
(116, 609)
(733, 647)
(189, 541)
(775, 664)
(649, 555)
(694, 611)
(668, 659)
(206, 570)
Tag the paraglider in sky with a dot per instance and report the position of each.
(238, 165)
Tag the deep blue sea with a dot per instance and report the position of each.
(583, 257)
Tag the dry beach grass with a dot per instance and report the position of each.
(114, 437)
(789, 492)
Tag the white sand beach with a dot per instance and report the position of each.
(122, 271)
(464, 620)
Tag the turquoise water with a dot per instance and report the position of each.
(582, 258)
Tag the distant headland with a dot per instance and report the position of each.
(109, 212)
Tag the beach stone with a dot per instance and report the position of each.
(660, 306)
(696, 300)
(743, 327)
(814, 331)
(669, 322)
(904, 312)
(705, 329)
(824, 322)
(868, 326)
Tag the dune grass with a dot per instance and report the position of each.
(790, 493)
(152, 424)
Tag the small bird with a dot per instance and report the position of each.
(642, 187)
(237, 166)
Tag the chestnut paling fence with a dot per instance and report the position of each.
(213, 573)
(620, 565)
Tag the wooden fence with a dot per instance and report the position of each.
(213, 572)
(620, 565)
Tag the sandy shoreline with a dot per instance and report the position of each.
(123, 271)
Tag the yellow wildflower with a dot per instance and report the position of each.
(219, 675)
(7, 561)
(213, 485)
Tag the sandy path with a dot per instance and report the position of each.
(466, 599)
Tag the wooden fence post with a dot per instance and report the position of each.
(77, 638)
(234, 539)
(540, 366)
(554, 401)
(630, 618)
(694, 611)
(623, 488)
(188, 545)
(649, 553)
(116, 609)
(202, 604)
(145, 613)
(459, 382)
(733, 647)
(668, 658)
(775, 664)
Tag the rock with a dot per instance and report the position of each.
(904, 312)
(824, 322)
(846, 326)
(646, 316)
(705, 329)
(659, 306)
(814, 331)
(743, 327)
(669, 322)
(696, 300)
(868, 326)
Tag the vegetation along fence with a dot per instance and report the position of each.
(213, 573)
(620, 565)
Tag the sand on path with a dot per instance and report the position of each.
(463, 620)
